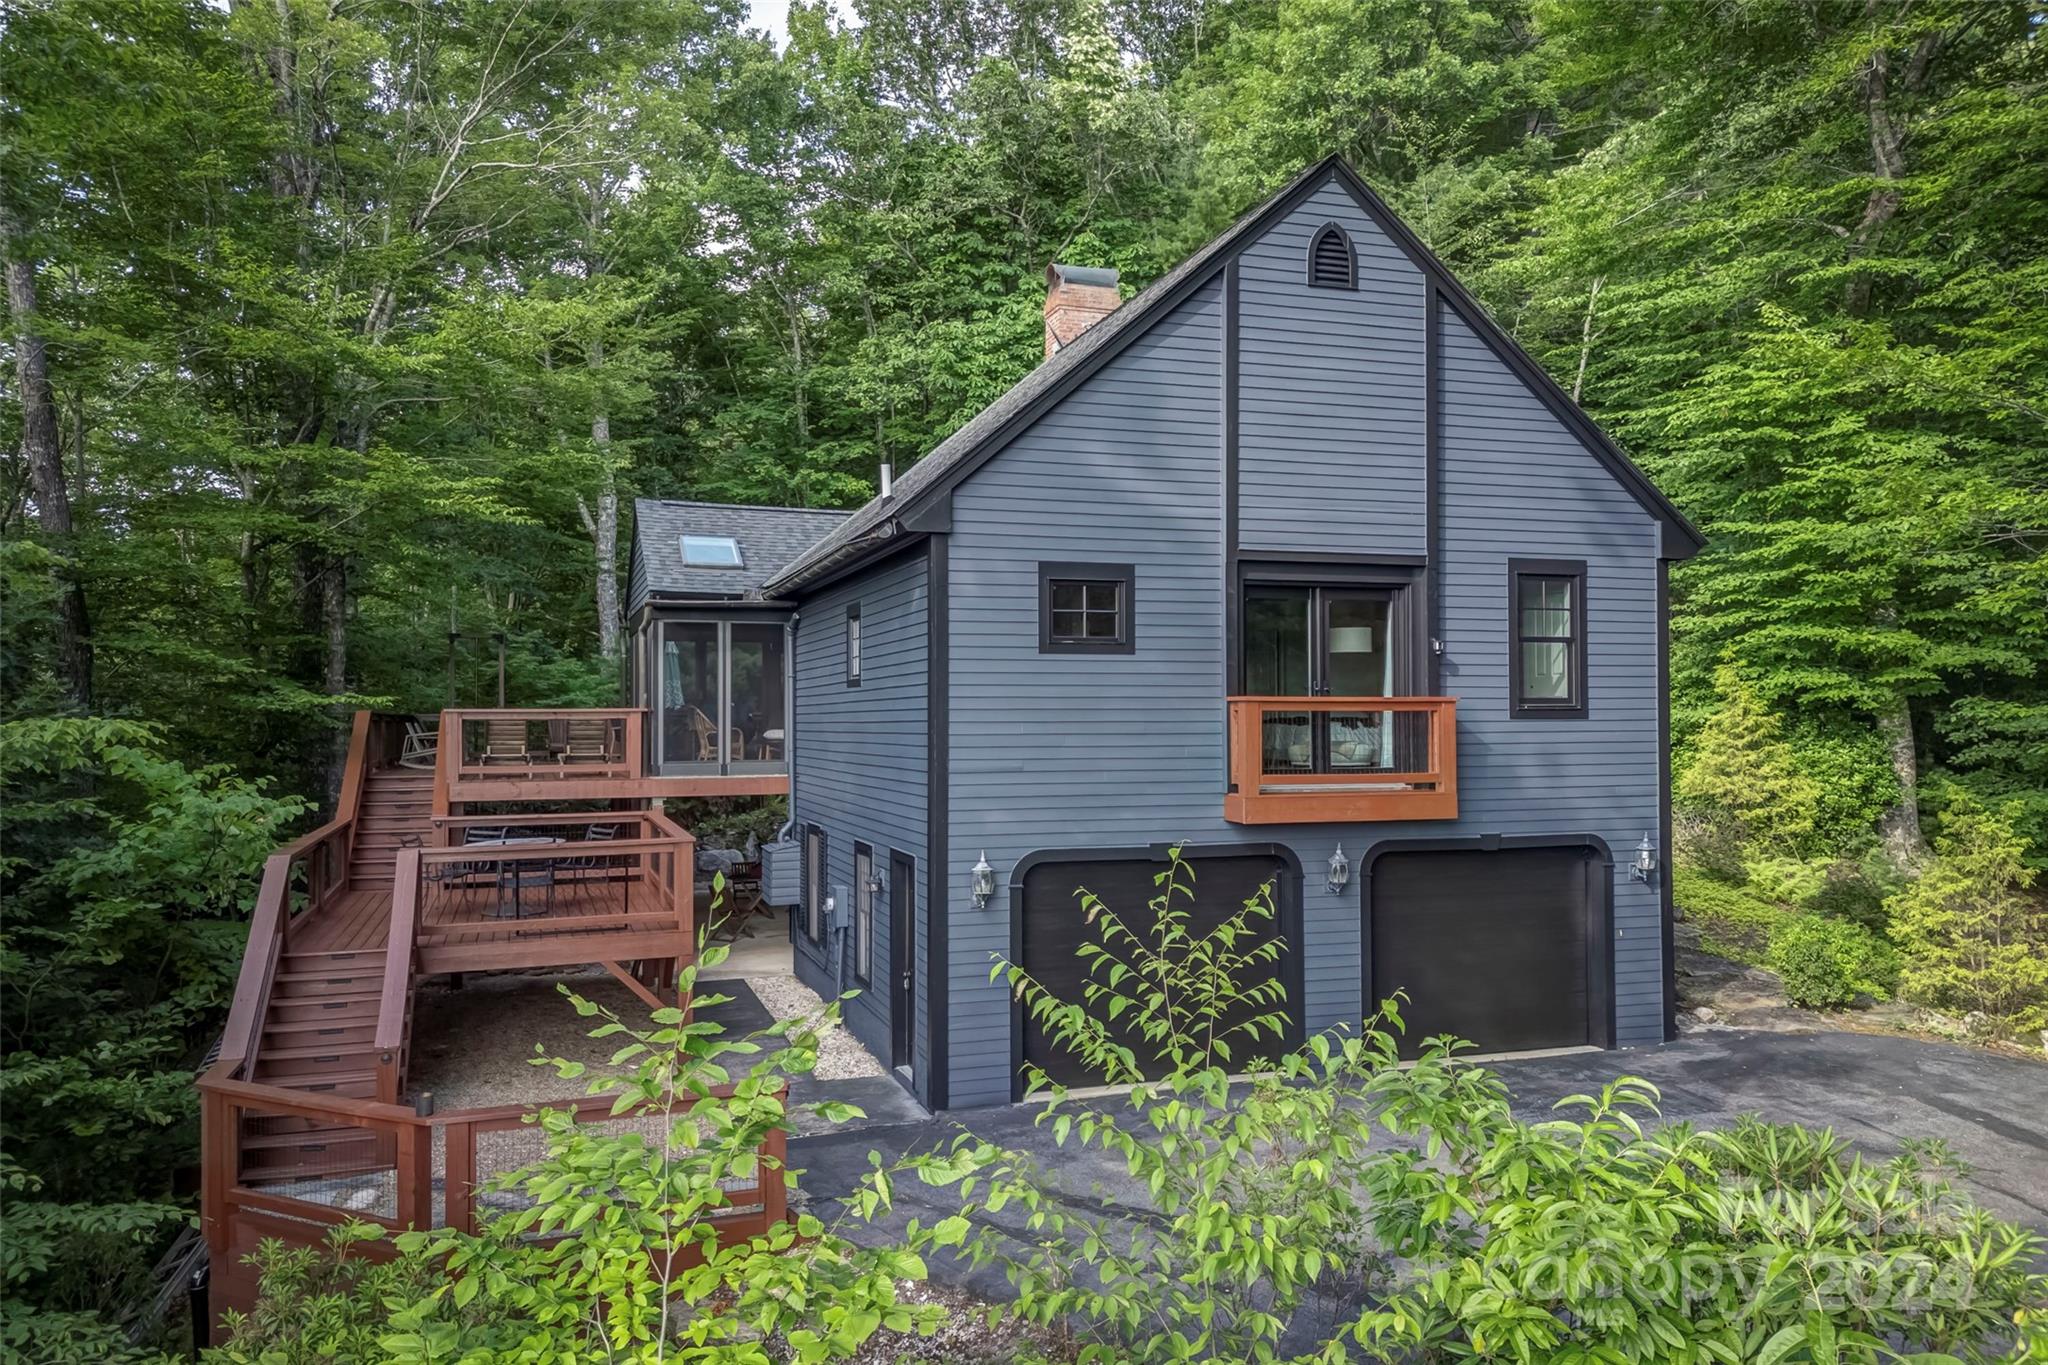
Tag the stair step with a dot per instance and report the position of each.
(306, 1137)
(342, 1031)
(322, 1082)
(317, 960)
(317, 1049)
(309, 1171)
(373, 972)
(340, 1004)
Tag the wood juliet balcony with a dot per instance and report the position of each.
(1319, 760)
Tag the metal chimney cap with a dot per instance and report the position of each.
(1100, 276)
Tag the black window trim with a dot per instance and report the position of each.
(1520, 707)
(1350, 258)
(1065, 571)
(856, 645)
(815, 883)
(862, 898)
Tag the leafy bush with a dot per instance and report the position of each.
(1594, 1238)
(1857, 889)
(1256, 1187)
(1972, 932)
(1831, 963)
(127, 877)
(1733, 923)
(1741, 764)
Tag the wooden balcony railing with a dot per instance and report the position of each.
(1328, 759)
(534, 743)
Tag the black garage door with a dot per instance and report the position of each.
(1494, 946)
(1052, 931)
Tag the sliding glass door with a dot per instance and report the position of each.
(1322, 642)
(723, 697)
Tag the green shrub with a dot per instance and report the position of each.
(1831, 963)
(1454, 1231)
(1733, 922)
(641, 1275)
(1855, 889)
(1741, 764)
(1972, 931)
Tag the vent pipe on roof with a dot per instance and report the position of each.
(1076, 298)
(888, 478)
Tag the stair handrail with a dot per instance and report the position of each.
(398, 954)
(271, 916)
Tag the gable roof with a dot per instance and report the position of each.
(921, 487)
(769, 539)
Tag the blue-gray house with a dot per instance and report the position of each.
(1294, 558)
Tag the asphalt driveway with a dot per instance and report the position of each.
(1875, 1091)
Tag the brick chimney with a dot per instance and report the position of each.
(1076, 298)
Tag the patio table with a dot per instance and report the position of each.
(541, 873)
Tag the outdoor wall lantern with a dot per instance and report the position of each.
(874, 883)
(1340, 871)
(984, 882)
(1646, 860)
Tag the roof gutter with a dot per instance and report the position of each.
(801, 574)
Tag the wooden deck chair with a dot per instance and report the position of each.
(422, 745)
(505, 742)
(588, 739)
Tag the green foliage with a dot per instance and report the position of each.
(1734, 922)
(1256, 1186)
(639, 1273)
(1972, 930)
(1740, 764)
(324, 1306)
(1828, 963)
(1429, 1223)
(127, 876)
(1597, 1236)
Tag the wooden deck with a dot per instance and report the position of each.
(471, 929)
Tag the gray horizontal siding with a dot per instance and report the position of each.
(1330, 430)
(1060, 752)
(861, 764)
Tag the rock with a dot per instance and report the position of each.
(1705, 1014)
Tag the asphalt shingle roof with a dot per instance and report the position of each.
(769, 539)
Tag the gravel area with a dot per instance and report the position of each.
(475, 1046)
(840, 1055)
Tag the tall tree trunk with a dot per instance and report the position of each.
(603, 524)
(1904, 842)
(334, 605)
(43, 453)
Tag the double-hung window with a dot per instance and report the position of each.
(1547, 639)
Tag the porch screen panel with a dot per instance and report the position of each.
(689, 692)
(759, 718)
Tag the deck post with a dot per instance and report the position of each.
(459, 1176)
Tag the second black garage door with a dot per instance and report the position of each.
(1504, 947)
(1051, 930)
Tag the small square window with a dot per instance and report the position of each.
(1085, 608)
(712, 552)
(1547, 657)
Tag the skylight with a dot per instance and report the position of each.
(711, 552)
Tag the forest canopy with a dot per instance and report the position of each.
(341, 335)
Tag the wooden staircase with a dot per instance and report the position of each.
(320, 1025)
(396, 811)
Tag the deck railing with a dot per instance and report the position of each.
(398, 1169)
(299, 879)
(534, 743)
(1324, 759)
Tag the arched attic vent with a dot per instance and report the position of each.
(1332, 264)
